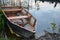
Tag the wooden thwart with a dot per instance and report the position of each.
(11, 10)
(18, 17)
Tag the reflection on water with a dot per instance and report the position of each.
(50, 1)
(46, 13)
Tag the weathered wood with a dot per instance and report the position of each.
(11, 10)
(22, 27)
(18, 17)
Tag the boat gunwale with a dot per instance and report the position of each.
(18, 25)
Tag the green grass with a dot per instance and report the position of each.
(2, 19)
(53, 25)
(2, 28)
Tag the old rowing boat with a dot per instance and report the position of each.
(20, 20)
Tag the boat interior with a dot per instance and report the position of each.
(20, 17)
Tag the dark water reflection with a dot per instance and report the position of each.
(45, 14)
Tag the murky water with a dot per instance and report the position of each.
(45, 13)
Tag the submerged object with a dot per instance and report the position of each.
(20, 21)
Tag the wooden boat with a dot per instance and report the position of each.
(20, 20)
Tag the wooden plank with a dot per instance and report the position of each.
(18, 17)
(11, 10)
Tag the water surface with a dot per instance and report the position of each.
(45, 13)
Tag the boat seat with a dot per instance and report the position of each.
(18, 17)
(11, 10)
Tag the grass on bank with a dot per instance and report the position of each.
(2, 28)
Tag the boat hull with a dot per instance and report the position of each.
(18, 30)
